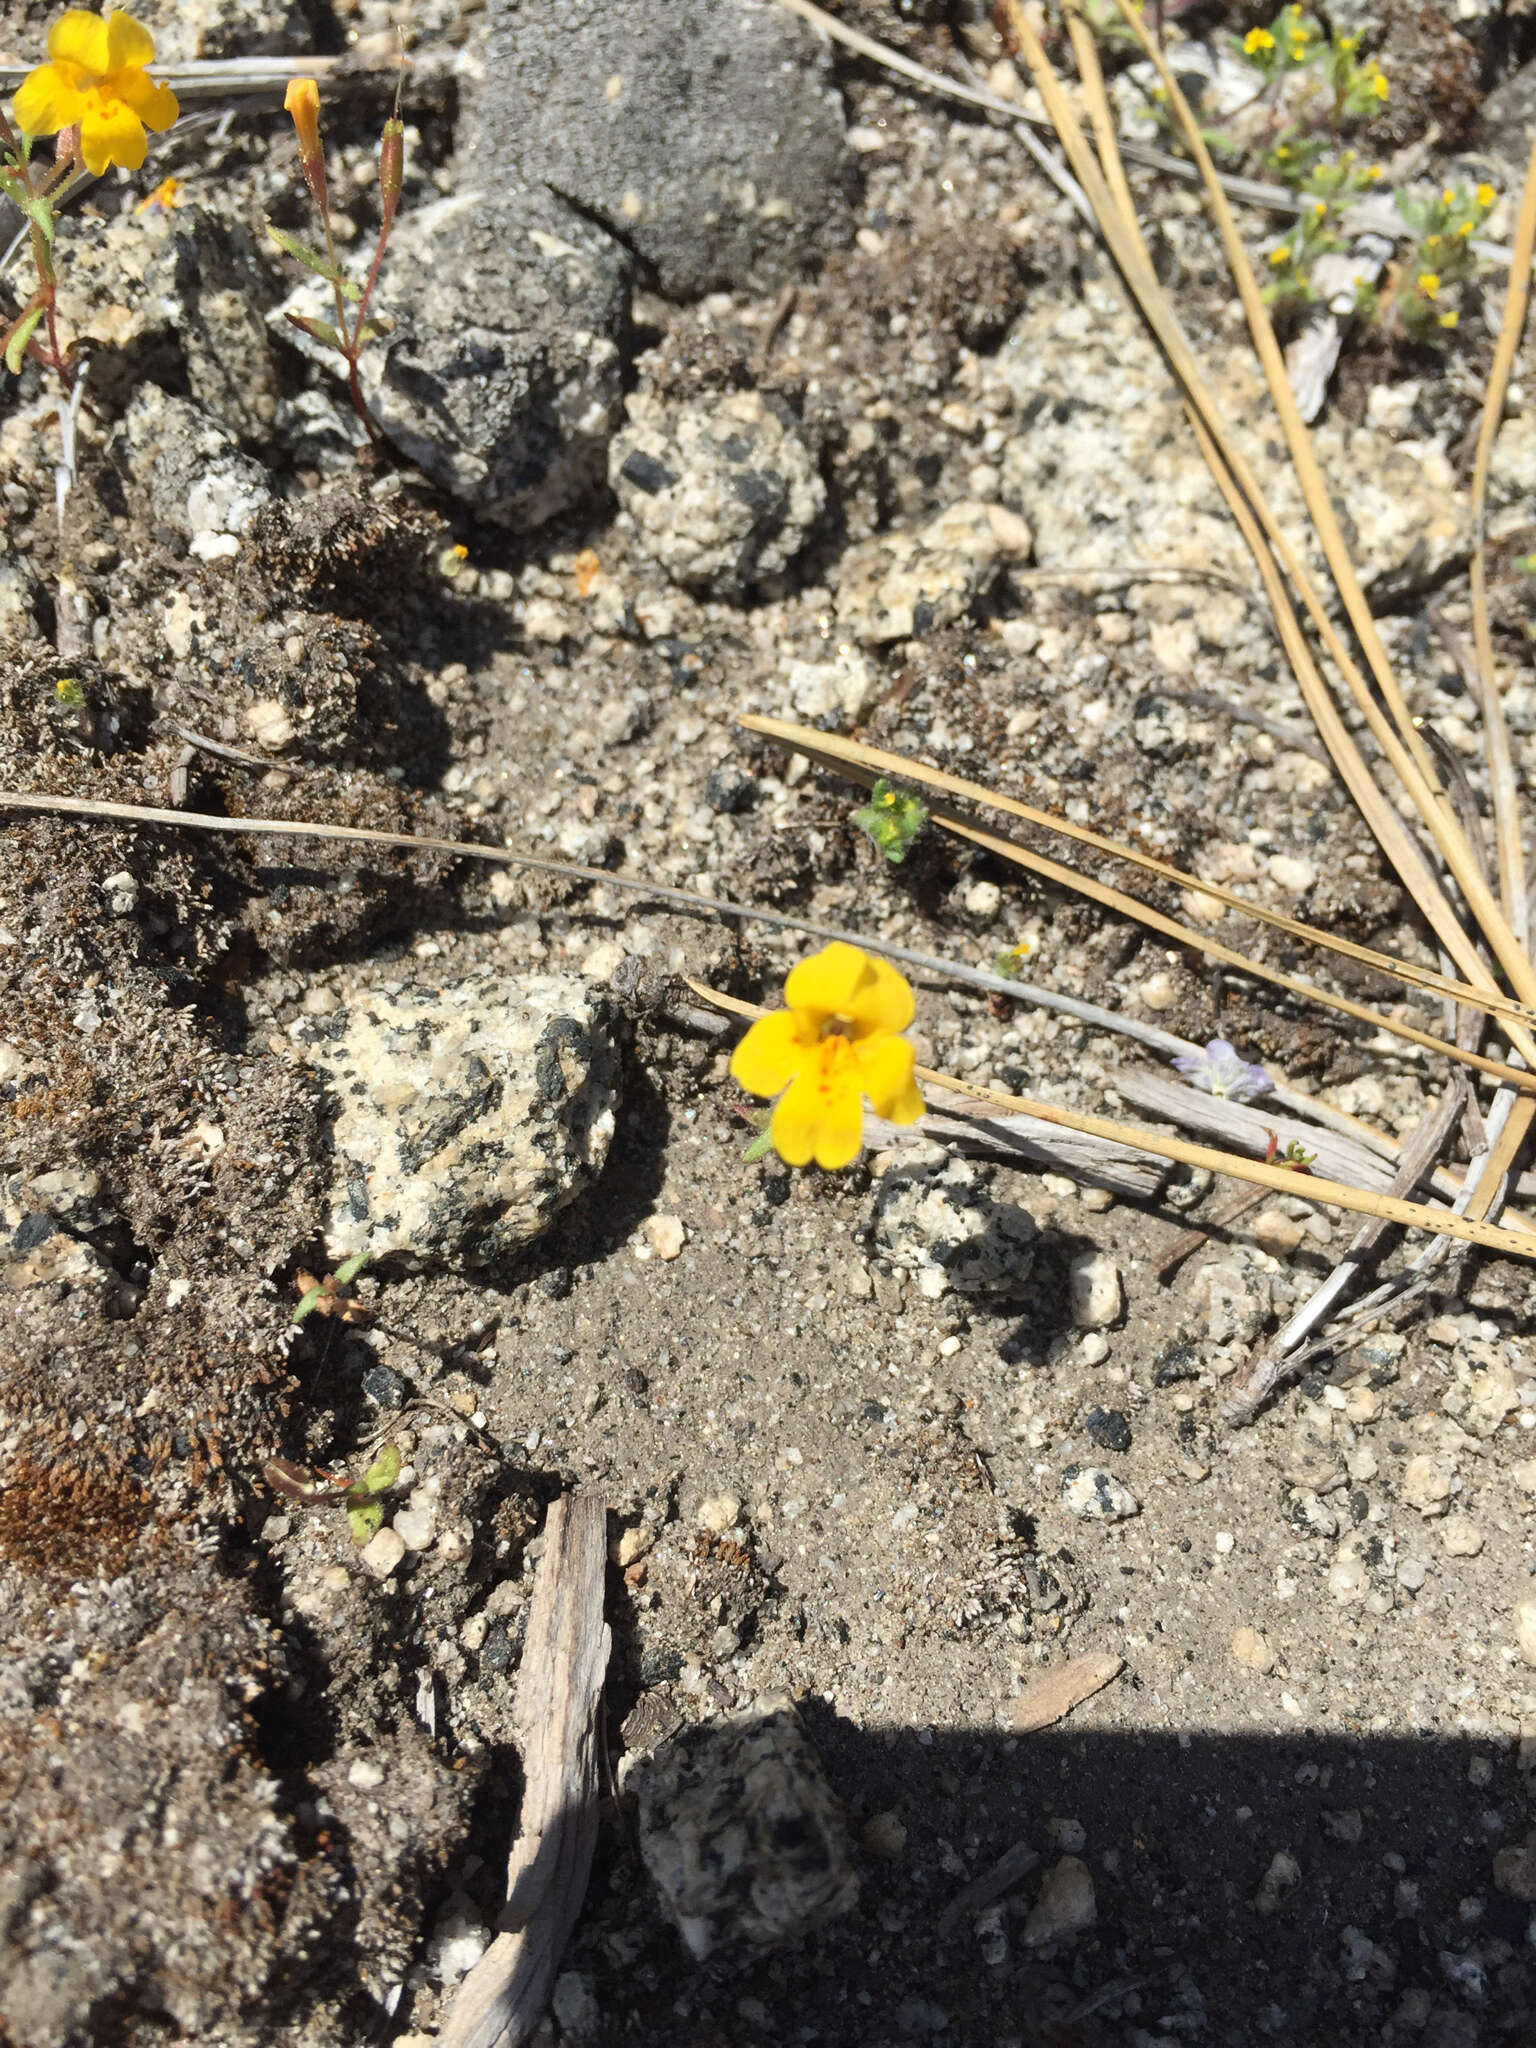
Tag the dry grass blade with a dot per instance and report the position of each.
(1284, 1180)
(865, 764)
(1398, 737)
(1271, 546)
(1501, 774)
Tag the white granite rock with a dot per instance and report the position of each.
(939, 1220)
(466, 1116)
(901, 584)
(719, 492)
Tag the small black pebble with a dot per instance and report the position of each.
(659, 1667)
(1178, 1362)
(730, 789)
(636, 1380)
(1109, 1429)
(556, 1283)
(776, 1188)
(496, 1650)
(1359, 1507)
(1185, 1545)
(384, 1387)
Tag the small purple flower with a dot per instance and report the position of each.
(1219, 1071)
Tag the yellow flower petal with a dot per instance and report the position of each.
(817, 1119)
(156, 105)
(771, 1054)
(47, 100)
(82, 38)
(827, 983)
(129, 43)
(885, 1075)
(110, 133)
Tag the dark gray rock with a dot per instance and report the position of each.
(708, 139)
(1509, 121)
(502, 377)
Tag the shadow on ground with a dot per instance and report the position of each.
(1380, 1924)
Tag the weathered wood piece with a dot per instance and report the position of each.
(1051, 1698)
(559, 1691)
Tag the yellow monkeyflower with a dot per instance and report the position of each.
(836, 1043)
(1280, 255)
(1257, 39)
(95, 77)
(1428, 282)
(1467, 228)
(1379, 85)
(1486, 196)
(1449, 319)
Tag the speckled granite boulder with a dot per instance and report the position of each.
(742, 1834)
(466, 1116)
(719, 493)
(937, 1218)
(502, 376)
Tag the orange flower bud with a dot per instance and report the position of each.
(302, 101)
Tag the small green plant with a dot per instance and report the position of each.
(1312, 91)
(350, 333)
(1292, 1154)
(309, 1486)
(892, 818)
(324, 1297)
(1441, 260)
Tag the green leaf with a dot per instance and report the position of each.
(311, 259)
(349, 291)
(350, 1268)
(19, 336)
(365, 1522)
(308, 1303)
(323, 332)
(759, 1148)
(384, 1471)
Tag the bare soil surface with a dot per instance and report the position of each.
(256, 1788)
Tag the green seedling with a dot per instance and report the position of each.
(892, 818)
(324, 1297)
(309, 1486)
